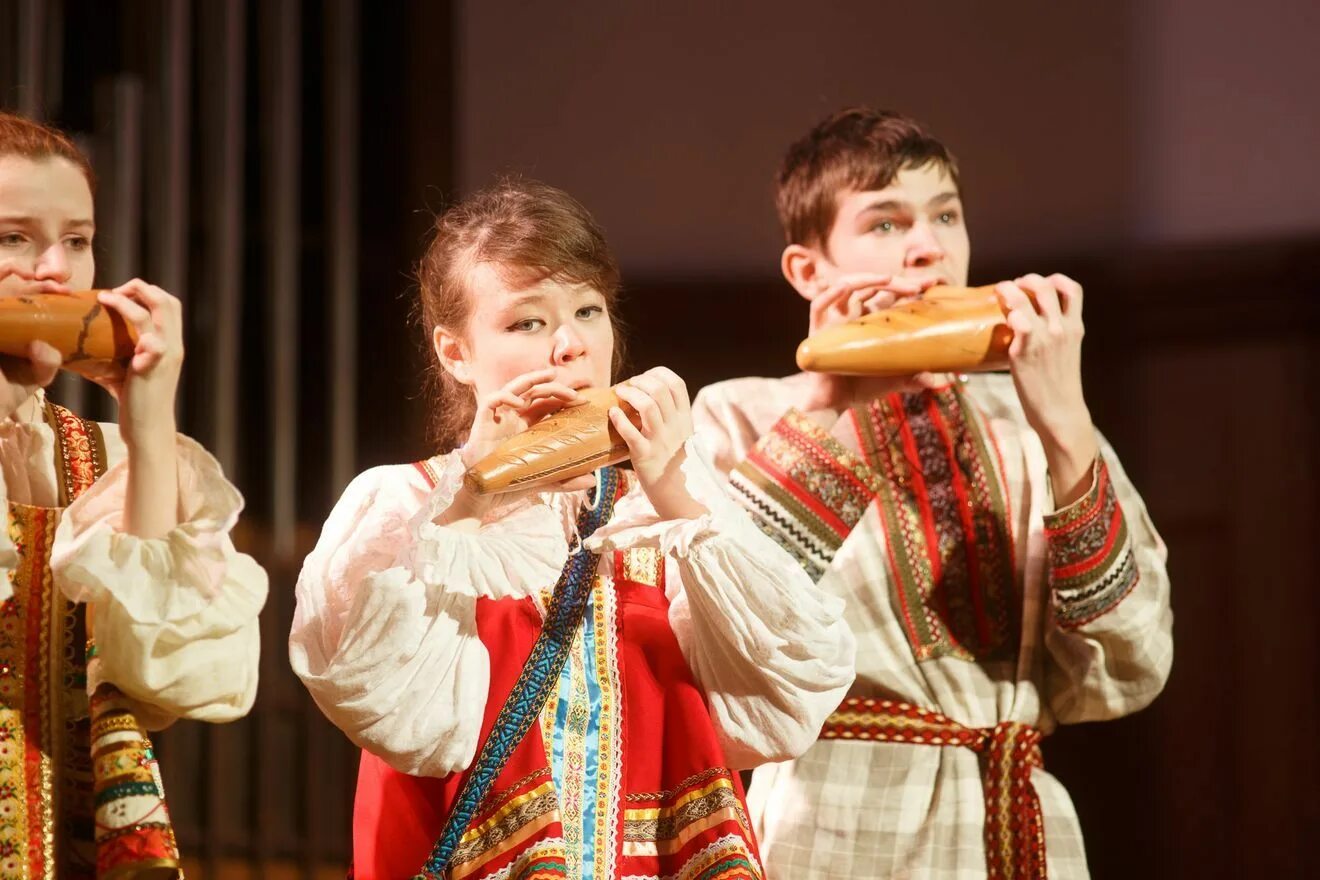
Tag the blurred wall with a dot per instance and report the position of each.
(1078, 126)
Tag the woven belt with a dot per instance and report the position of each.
(1014, 827)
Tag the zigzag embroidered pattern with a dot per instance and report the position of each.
(1092, 567)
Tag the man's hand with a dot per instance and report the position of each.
(848, 298)
(1046, 359)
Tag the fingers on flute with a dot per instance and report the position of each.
(1021, 317)
(677, 387)
(837, 295)
(645, 405)
(658, 389)
(635, 439)
(1070, 295)
(520, 384)
(130, 309)
(1046, 301)
(547, 390)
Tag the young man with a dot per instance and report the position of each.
(1001, 572)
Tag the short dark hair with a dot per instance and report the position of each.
(856, 149)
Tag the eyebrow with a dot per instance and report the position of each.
(32, 221)
(898, 204)
(525, 300)
(889, 205)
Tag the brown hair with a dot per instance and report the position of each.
(857, 149)
(528, 228)
(20, 136)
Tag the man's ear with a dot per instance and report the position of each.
(452, 351)
(806, 269)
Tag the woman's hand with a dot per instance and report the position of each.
(500, 415)
(146, 393)
(657, 447)
(147, 389)
(513, 409)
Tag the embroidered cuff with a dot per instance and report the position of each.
(1092, 567)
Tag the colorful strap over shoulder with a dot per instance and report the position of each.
(134, 836)
(537, 679)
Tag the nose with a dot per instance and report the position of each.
(923, 248)
(568, 346)
(53, 265)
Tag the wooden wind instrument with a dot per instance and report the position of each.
(94, 341)
(946, 329)
(568, 443)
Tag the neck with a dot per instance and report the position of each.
(837, 393)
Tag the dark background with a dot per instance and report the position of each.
(275, 164)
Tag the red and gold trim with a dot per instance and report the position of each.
(526, 811)
(1092, 566)
(946, 516)
(804, 489)
(79, 452)
(1014, 825)
(429, 472)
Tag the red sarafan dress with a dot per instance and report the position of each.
(704, 649)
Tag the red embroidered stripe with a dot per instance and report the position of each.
(945, 516)
(1092, 566)
(428, 472)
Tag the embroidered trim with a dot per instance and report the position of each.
(946, 520)
(659, 825)
(1092, 564)
(643, 565)
(804, 489)
(527, 802)
(670, 820)
(429, 472)
(726, 858)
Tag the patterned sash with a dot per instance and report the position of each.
(539, 677)
(134, 837)
(1014, 826)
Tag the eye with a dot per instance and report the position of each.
(526, 325)
(885, 226)
(948, 218)
(587, 312)
(78, 242)
(12, 239)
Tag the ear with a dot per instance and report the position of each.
(806, 269)
(452, 352)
